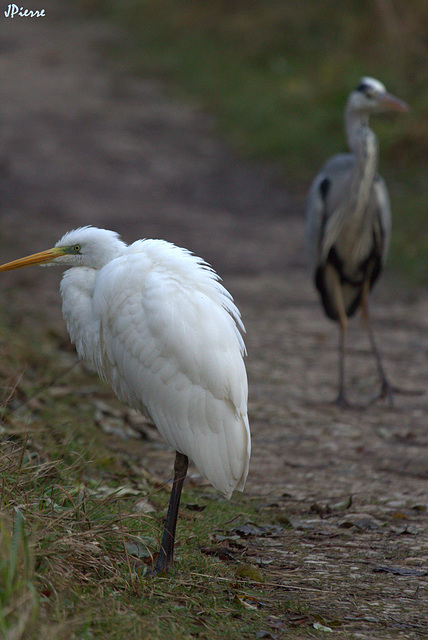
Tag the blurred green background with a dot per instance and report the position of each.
(276, 75)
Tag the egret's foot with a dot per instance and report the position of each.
(153, 572)
(160, 568)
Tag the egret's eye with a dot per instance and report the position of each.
(76, 248)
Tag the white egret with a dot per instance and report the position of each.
(348, 220)
(154, 321)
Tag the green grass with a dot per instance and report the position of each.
(276, 75)
(73, 545)
(18, 599)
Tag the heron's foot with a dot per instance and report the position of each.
(386, 392)
(341, 400)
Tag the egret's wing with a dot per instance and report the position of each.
(171, 346)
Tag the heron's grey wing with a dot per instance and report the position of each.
(325, 194)
(383, 218)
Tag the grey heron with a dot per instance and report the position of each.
(348, 221)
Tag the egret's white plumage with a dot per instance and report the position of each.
(154, 321)
(348, 217)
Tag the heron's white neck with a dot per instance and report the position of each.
(348, 227)
(363, 144)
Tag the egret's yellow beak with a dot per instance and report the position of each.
(44, 257)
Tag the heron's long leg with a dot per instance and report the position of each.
(341, 398)
(343, 321)
(166, 553)
(386, 390)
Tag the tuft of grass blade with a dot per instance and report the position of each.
(18, 598)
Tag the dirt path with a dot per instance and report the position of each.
(82, 143)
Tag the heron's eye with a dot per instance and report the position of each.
(371, 93)
(367, 90)
(76, 248)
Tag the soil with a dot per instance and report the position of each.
(82, 142)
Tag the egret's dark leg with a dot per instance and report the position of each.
(386, 390)
(166, 553)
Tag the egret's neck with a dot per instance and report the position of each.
(83, 324)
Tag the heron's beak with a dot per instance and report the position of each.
(392, 103)
(44, 257)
